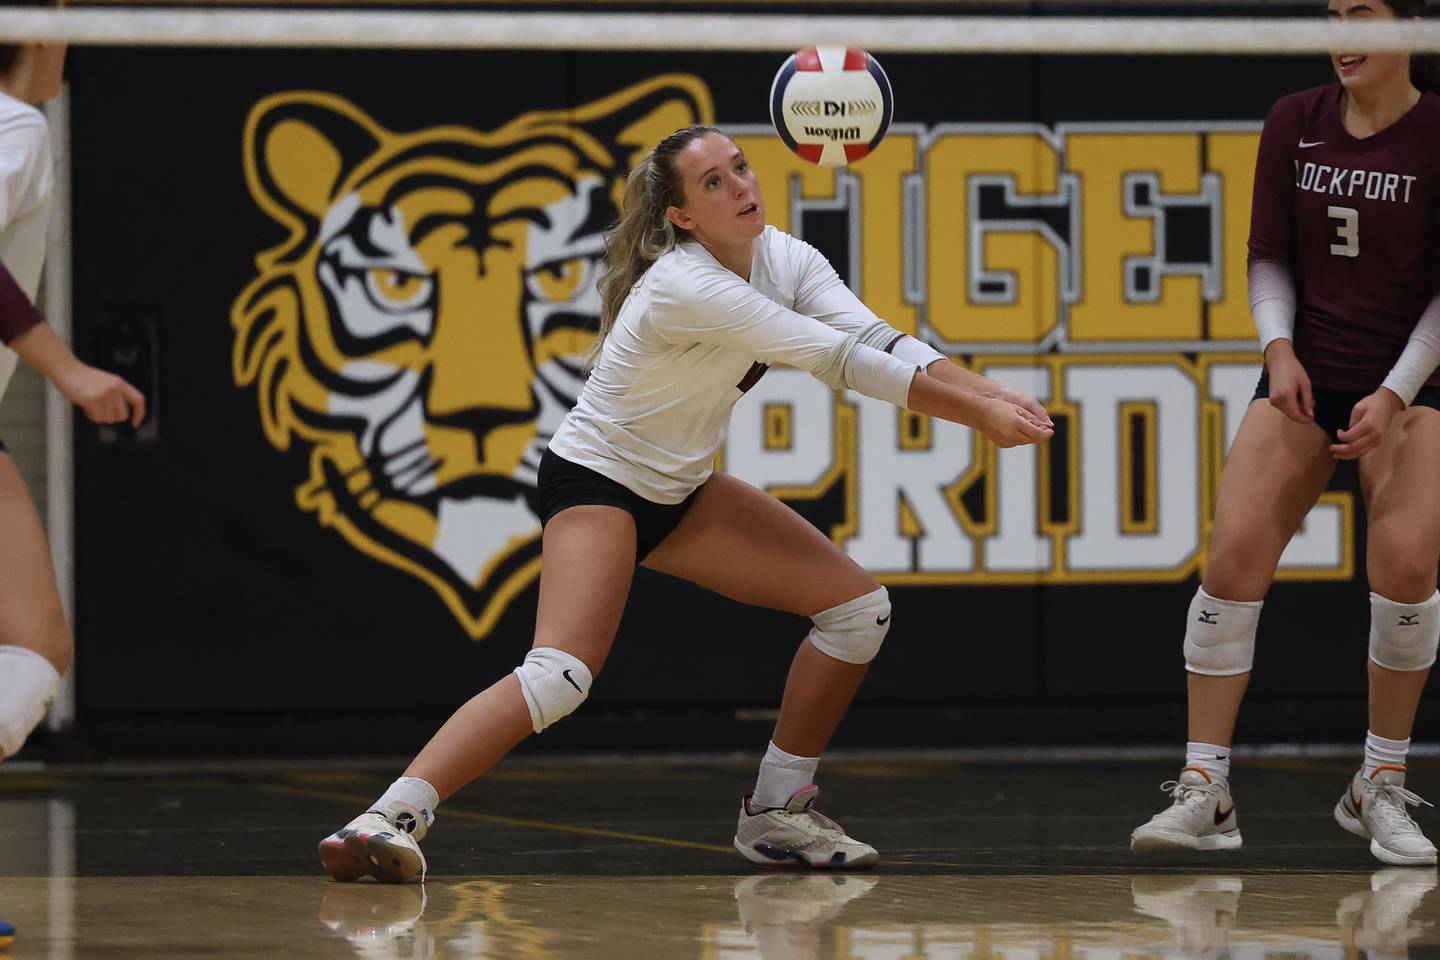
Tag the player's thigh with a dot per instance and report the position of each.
(589, 561)
(30, 612)
(1400, 481)
(745, 544)
(1274, 472)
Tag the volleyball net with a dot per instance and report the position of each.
(748, 32)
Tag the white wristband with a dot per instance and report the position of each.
(1420, 357)
(879, 375)
(1272, 301)
(1274, 320)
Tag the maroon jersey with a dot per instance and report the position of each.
(1358, 222)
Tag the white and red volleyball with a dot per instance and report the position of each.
(831, 105)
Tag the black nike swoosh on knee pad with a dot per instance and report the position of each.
(571, 680)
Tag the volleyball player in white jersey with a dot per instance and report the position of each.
(35, 644)
(698, 297)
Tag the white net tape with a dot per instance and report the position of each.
(694, 31)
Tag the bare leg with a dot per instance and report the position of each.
(744, 544)
(589, 563)
(30, 613)
(1275, 471)
(818, 691)
(1402, 502)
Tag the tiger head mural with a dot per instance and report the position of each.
(420, 328)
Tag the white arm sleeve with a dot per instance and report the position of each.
(1420, 357)
(717, 307)
(820, 293)
(1272, 301)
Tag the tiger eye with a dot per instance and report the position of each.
(561, 280)
(396, 285)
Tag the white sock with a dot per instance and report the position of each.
(782, 775)
(1210, 757)
(415, 794)
(1380, 752)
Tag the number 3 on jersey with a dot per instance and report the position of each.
(1347, 230)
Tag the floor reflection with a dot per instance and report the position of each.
(759, 917)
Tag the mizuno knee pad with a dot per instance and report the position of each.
(1220, 635)
(1404, 636)
(854, 630)
(27, 685)
(554, 684)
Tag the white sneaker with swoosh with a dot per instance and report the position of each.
(1373, 807)
(1202, 817)
(799, 835)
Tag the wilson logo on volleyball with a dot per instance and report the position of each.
(833, 133)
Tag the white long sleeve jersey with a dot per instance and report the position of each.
(656, 407)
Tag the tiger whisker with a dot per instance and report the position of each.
(402, 464)
(390, 455)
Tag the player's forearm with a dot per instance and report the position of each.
(1272, 301)
(934, 396)
(1420, 357)
(948, 371)
(45, 352)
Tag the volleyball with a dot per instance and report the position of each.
(831, 105)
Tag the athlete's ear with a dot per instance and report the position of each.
(299, 147)
(680, 218)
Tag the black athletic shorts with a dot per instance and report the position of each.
(1333, 407)
(565, 484)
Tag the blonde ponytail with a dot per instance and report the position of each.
(643, 233)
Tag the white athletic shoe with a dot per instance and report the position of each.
(1373, 807)
(1202, 817)
(797, 834)
(373, 844)
(1201, 910)
(1378, 920)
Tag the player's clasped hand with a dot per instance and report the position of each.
(103, 396)
(1009, 424)
(1290, 391)
(1369, 420)
(1029, 404)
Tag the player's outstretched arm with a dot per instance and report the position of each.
(968, 380)
(1007, 424)
(103, 396)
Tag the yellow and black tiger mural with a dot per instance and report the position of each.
(420, 328)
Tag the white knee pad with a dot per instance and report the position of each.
(854, 630)
(27, 685)
(554, 684)
(1220, 635)
(1404, 636)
